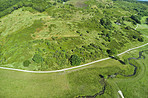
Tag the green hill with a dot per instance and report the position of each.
(46, 34)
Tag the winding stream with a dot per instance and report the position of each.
(135, 67)
(104, 87)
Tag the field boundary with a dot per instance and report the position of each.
(65, 69)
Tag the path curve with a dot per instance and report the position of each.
(120, 92)
(136, 26)
(72, 67)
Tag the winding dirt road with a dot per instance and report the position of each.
(72, 67)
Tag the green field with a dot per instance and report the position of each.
(83, 81)
(136, 86)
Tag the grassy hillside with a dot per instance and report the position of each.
(47, 36)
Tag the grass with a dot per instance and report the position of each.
(83, 81)
(22, 19)
(67, 29)
(31, 31)
(143, 28)
(135, 87)
(17, 84)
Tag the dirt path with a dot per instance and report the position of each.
(71, 67)
(120, 92)
(136, 27)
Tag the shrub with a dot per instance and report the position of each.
(112, 51)
(146, 20)
(141, 39)
(26, 63)
(126, 61)
(136, 19)
(106, 23)
(75, 60)
(37, 58)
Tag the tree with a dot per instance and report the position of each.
(112, 51)
(75, 60)
(26, 63)
(141, 39)
(146, 21)
(128, 27)
(37, 58)
(136, 19)
(106, 23)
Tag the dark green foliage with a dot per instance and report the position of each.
(40, 5)
(146, 20)
(75, 60)
(37, 58)
(4, 4)
(112, 51)
(106, 23)
(8, 6)
(128, 27)
(141, 39)
(26, 63)
(60, 1)
(136, 19)
(134, 36)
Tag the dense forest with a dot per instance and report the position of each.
(63, 33)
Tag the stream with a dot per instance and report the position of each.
(104, 87)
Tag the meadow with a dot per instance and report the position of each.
(83, 81)
(135, 87)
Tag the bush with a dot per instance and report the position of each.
(106, 23)
(146, 20)
(37, 58)
(26, 63)
(112, 51)
(116, 57)
(141, 39)
(126, 61)
(75, 60)
(136, 19)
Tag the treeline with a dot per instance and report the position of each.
(39, 5)
(133, 6)
(8, 6)
(4, 4)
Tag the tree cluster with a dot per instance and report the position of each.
(75, 60)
